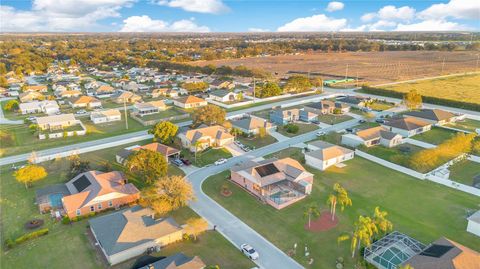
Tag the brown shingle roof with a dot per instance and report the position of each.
(407, 123)
(190, 99)
(431, 114)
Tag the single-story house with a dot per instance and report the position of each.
(474, 223)
(202, 138)
(166, 151)
(433, 116)
(105, 116)
(321, 155)
(128, 97)
(151, 107)
(189, 101)
(278, 182)
(252, 124)
(354, 101)
(104, 90)
(223, 95)
(31, 96)
(322, 107)
(36, 88)
(85, 101)
(177, 261)
(308, 114)
(283, 116)
(164, 92)
(372, 136)
(69, 94)
(95, 191)
(222, 84)
(56, 122)
(131, 232)
(47, 107)
(407, 126)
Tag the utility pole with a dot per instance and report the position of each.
(478, 58)
(443, 65)
(254, 86)
(125, 110)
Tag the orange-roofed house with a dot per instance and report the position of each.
(95, 191)
(371, 137)
(36, 88)
(85, 101)
(189, 101)
(166, 151)
(31, 96)
(127, 97)
(212, 136)
(279, 183)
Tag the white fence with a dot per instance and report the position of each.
(474, 158)
(419, 143)
(453, 184)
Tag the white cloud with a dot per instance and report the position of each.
(258, 30)
(50, 15)
(146, 24)
(313, 23)
(431, 25)
(334, 6)
(459, 9)
(368, 16)
(392, 13)
(200, 6)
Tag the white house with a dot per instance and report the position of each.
(223, 96)
(151, 107)
(408, 126)
(372, 136)
(105, 116)
(474, 223)
(48, 107)
(321, 155)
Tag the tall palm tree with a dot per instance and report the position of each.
(196, 145)
(380, 219)
(365, 228)
(339, 196)
(310, 210)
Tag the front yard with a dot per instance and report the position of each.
(303, 128)
(465, 172)
(436, 135)
(256, 141)
(333, 118)
(421, 209)
(206, 157)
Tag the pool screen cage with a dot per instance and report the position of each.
(392, 250)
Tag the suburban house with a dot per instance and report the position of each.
(372, 136)
(105, 116)
(223, 96)
(164, 92)
(69, 94)
(166, 151)
(433, 116)
(252, 124)
(103, 91)
(47, 107)
(85, 101)
(126, 97)
(354, 101)
(177, 261)
(95, 191)
(322, 107)
(445, 254)
(131, 232)
(202, 138)
(31, 96)
(36, 88)
(283, 116)
(277, 182)
(222, 84)
(151, 107)
(189, 101)
(474, 223)
(62, 125)
(321, 155)
(407, 126)
(308, 114)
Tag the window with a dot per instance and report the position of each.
(92, 208)
(78, 212)
(110, 204)
(99, 206)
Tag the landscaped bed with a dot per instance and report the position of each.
(421, 209)
(435, 136)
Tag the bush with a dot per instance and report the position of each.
(291, 128)
(66, 220)
(31, 235)
(9, 243)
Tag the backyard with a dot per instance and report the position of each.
(466, 172)
(399, 155)
(436, 210)
(256, 141)
(435, 136)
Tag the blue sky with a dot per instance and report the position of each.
(237, 16)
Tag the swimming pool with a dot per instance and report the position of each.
(56, 200)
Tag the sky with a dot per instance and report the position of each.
(237, 15)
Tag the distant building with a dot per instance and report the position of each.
(149, 108)
(223, 96)
(433, 116)
(85, 102)
(47, 107)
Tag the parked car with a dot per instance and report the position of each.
(349, 130)
(380, 121)
(315, 122)
(249, 251)
(362, 121)
(177, 162)
(321, 133)
(81, 111)
(186, 162)
(220, 161)
(32, 119)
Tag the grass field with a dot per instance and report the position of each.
(333, 118)
(435, 136)
(466, 124)
(207, 156)
(460, 88)
(464, 172)
(303, 128)
(421, 209)
(399, 155)
(164, 114)
(380, 105)
(256, 142)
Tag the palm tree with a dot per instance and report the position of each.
(380, 219)
(365, 228)
(197, 144)
(310, 210)
(339, 195)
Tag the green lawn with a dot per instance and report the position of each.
(400, 154)
(26, 142)
(170, 112)
(256, 142)
(466, 124)
(207, 156)
(464, 172)
(303, 128)
(421, 209)
(380, 105)
(435, 136)
(366, 125)
(333, 118)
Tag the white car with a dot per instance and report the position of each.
(249, 251)
(220, 161)
(81, 111)
(320, 133)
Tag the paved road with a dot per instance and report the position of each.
(231, 227)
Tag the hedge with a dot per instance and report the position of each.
(11, 243)
(426, 99)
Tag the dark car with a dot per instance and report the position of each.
(186, 162)
(315, 122)
(362, 121)
(349, 130)
(379, 121)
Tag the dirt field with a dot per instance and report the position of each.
(371, 67)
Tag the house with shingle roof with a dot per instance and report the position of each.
(321, 155)
(371, 137)
(125, 96)
(168, 92)
(149, 108)
(36, 88)
(252, 124)
(279, 183)
(177, 261)
(131, 232)
(166, 151)
(68, 93)
(202, 138)
(407, 126)
(433, 116)
(105, 116)
(85, 101)
(31, 96)
(189, 101)
(223, 95)
(46, 106)
(282, 116)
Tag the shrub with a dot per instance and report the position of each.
(291, 128)
(9, 243)
(66, 220)
(31, 235)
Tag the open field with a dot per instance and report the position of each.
(371, 67)
(436, 210)
(459, 88)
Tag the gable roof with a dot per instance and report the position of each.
(129, 228)
(151, 104)
(375, 133)
(327, 151)
(214, 132)
(407, 123)
(220, 93)
(163, 149)
(105, 113)
(251, 123)
(191, 99)
(84, 99)
(177, 261)
(104, 88)
(55, 119)
(431, 114)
